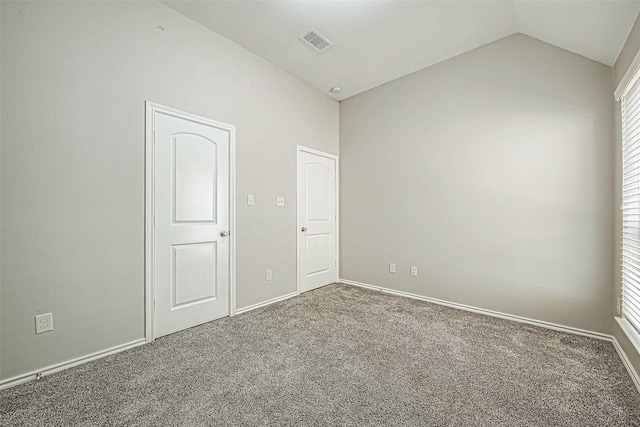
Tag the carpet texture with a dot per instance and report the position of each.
(342, 355)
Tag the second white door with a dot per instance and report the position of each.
(317, 219)
(192, 219)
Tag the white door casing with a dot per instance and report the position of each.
(317, 219)
(190, 254)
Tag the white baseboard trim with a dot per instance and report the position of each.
(541, 323)
(266, 303)
(627, 364)
(632, 335)
(30, 376)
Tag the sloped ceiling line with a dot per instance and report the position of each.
(379, 41)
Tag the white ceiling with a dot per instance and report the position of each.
(378, 41)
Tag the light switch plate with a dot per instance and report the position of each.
(280, 201)
(250, 199)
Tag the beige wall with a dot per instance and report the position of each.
(628, 53)
(75, 77)
(492, 173)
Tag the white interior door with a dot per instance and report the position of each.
(191, 249)
(317, 219)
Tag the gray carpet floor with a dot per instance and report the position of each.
(342, 355)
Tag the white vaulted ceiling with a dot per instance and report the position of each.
(378, 41)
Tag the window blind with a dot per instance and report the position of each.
(631, 203)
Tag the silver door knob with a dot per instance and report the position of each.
(304, 229)
(224, 233)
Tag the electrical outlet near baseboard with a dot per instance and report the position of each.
(414, 270)
(44, 323)
(392, 268)
(269, 274)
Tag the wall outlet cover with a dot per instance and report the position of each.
(44, 323)
(280, 201)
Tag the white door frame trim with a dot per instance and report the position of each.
(151, 109)
(301, 149)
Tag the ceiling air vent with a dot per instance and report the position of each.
(316, 40)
